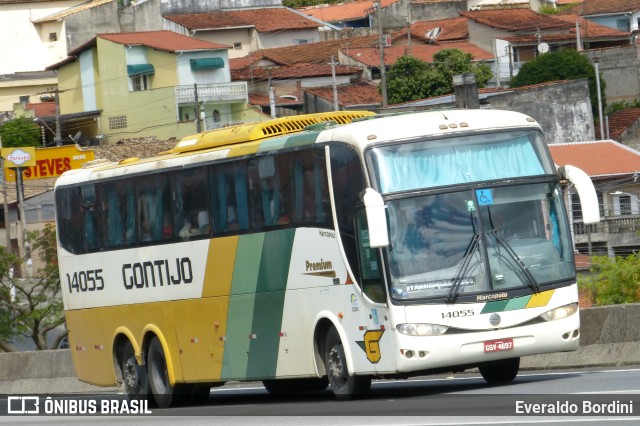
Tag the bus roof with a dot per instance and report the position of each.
(441, 123)
(258, 131)
(365, 128)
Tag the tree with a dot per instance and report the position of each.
(407, 80)
(613, 281)
(20, 132)
(410, 78)
(31, 307)
(563, 64)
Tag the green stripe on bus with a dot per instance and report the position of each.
(301, 139)
(246, 271)
(236, 345)
(269, 306)
(241, 306)
(273, 144)
(517, 303)
(506, 305)
(497, 306)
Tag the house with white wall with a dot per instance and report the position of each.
(153, 83)
(27, 45)
(248, 30)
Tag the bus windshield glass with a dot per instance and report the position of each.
(458, 160)
(478, 240)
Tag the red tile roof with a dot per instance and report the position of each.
(454, 29)
(243, 62)
(595, 7)
(358, 93)
(162, 40)
(291, 71)
(516, 19)
(344, 11)
(318, 53)
(619, 121)
(588, 30)
(599, 158)
(264, 20)
(371, 56)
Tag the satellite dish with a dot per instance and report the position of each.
(433, 33)
(543, 48)
(75, 138)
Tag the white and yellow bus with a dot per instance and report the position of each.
(322, 249)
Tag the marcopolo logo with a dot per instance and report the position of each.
(18, 157)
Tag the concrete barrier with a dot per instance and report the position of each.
(610, 336)
(41, 372)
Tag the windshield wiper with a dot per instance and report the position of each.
(466, 260)
(531, 281)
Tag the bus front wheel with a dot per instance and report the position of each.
(500, 371)
(134, 376)
(164, 394)
(343, 385)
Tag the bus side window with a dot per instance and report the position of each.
(128, 202)
(369, 261)
(230, 204)
(241, 195)
(190, 196)
(348, 182)
(111, 215)
(91, 231)
(69, 219)
(153, 201)
(310, 198)
(269, 199)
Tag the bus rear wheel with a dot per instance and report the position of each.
(500, 371)
(164, 394)
(343, 385)
(134, 376)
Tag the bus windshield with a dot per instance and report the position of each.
(432, 163)
(478, 240)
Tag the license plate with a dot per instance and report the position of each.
(498, 345)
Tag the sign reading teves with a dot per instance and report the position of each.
(44, 162)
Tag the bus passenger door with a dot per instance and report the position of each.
(377, 338)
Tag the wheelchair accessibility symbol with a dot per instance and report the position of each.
(485, 197)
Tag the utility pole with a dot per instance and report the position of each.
(599, 100)
(23, 244)
(335, 88)
(197, 101)
(383, 70)
(409, 27)
(58, 140)
(58, 131)
(5, 202)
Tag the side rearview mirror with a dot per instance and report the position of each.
(586, 192)
(376, 218)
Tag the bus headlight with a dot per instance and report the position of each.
(561, 312)
(422, 329)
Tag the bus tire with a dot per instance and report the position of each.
(164, 394)
(343, 385)
(134, 376)
(500, 371)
